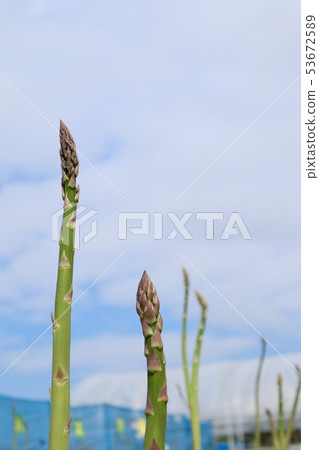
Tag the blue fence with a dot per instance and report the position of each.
(24, 425)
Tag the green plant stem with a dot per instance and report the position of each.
(184, 341)
(273, 430)
(60, 387)
(257, 389)
(281, 422)
(281, 439)
(147, 307)
(290, 426)
(195, 410)
(191, 381)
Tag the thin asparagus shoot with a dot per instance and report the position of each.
(290, 426)
(257, 389)
(195, 412)
(147, 307)
(273, 429)
(281, 420)
(191, 380)
(282, 438)
(184, 340)
(60, 419)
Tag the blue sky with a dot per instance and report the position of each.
(153, 93)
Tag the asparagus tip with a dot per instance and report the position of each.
(279, 379)
(201, 300)
(147, 303)
(186, 277)
(69, 159)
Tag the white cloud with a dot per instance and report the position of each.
(111, 352)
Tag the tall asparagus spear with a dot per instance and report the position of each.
(257, 388)
(147, 307)
(192, 381)
(60, 419)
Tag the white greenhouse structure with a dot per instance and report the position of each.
(226, 392)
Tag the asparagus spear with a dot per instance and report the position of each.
(197, 350)
(281, 419)
(147, 307)
(290, 426)
(257, 388)
(273, 429)
(60, 387)
(281, 438)
(192, 381)
(184, 341)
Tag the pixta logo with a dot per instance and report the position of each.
(235, 225)
(81, 222)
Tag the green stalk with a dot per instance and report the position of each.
(281, 423)
(257, 389)
(147, 307)
(192, 382)
(273, 429)
(60, 419)
(281, 439)
(195, 411)
(290, 426)
(184, 341)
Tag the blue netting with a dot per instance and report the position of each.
(24, 425)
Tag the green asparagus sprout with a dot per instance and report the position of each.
(192, 381)
(257, 389)
(292, 417)
(184, 340)
(60, 419)
(273, 429)
(281, 419)
(199, 340)
(282, 438)
(147, 307)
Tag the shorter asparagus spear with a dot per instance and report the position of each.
(281, 438)
(147, 307)
(290, 426)
(257, 388)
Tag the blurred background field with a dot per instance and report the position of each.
(108, 410)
